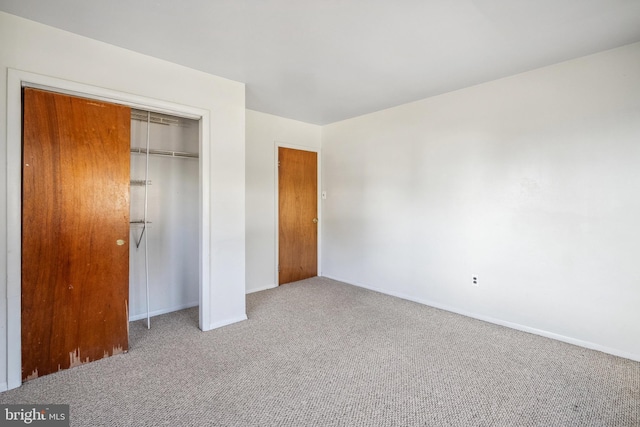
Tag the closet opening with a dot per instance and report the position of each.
(16, 81)
(164, 215)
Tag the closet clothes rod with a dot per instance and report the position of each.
(166, 153)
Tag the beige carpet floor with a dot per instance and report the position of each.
(323, 353)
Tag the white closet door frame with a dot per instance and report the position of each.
(16, 81)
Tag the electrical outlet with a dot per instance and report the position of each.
(474, 281)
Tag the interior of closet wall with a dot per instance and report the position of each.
(172, 227)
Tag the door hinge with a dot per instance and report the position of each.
(278, 268)
(278, 163)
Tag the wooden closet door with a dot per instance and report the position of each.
(297, 215)
(75, 226)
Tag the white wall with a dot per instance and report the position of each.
(36, 48)
(531, 182)
(263, 132)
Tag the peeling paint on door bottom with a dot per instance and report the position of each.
(75, 360)
(116, 350)
(33, 375)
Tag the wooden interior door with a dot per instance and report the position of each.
(75, 226)
(297, 214)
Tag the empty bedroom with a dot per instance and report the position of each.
(320, 213)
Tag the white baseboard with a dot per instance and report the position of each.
(263, 288)
(517, 326)
(163, 311)
(227, 322)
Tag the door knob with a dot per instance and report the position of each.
(315, 220)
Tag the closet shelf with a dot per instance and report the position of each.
(166, 153)
(139, 221)
(144, 116)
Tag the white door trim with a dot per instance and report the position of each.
(18, 79)
(278, 144)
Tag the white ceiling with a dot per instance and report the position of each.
(322, 61)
